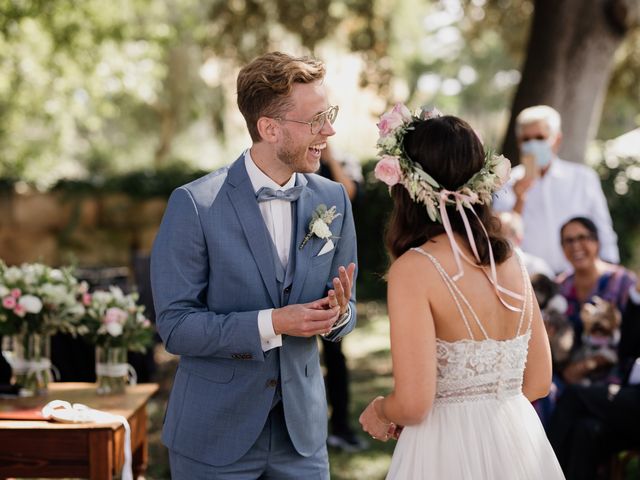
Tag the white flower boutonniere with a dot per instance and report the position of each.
(319, 224)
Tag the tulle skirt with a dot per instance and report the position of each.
(476, 440)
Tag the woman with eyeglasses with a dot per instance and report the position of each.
(591, 277)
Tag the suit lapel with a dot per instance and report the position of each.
(243, 199)
(303, 256)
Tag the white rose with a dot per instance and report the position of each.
(320, 229)
(13, 274)
(114, 329)
(4, 291)
(101, 297)
(31, 303)
(56, 275)
(502, 171)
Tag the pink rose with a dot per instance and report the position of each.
(403, 111)
(9, 303)
(16, 292)
(20, 310)
(388, 170)
(86, 299)
(389, 122)
(115, 315)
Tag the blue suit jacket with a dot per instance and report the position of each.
(212, 272)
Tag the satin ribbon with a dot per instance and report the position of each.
(462, 202)
(117, 370)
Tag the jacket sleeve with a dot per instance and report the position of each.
(179, 279)
(346, 252)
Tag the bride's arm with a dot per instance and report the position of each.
(413, 350)
(537, 373)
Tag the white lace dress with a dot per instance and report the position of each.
(481, 426)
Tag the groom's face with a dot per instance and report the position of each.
(298, 148)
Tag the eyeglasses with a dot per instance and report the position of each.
(583, 238)
(318, 121)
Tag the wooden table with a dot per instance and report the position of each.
(38, 448)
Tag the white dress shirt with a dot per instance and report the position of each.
(566, 190)
(278, 220)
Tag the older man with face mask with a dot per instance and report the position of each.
(546, 190)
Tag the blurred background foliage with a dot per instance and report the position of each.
(139, 95)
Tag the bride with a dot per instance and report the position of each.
(468, 344)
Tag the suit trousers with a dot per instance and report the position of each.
(272, 457)
(337, 383)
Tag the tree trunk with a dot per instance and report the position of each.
(569, 60)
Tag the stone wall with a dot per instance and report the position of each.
(87, 230)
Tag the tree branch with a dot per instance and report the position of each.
(623, 15)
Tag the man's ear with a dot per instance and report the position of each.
(557, 142)
(268, 129)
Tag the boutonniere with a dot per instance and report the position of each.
(319, 224)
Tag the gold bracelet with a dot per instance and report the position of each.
(387, 424)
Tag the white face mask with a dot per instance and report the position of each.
(541, 151)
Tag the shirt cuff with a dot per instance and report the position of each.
(268, 337)
(634, 295)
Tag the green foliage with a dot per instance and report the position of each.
(371, 211)
(621, 185)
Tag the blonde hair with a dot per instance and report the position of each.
(539, 113)
(265, 84)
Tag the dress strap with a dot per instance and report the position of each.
(456, 294)
(528, 296)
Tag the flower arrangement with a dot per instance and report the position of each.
(39, 299)
(395, 166)
(321, 218)
(115, 320)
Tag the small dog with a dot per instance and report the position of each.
(553, 307)
(601, 320)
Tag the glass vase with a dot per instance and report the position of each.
(31, 362)
(112, 370)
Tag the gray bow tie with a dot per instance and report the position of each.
(266, 194)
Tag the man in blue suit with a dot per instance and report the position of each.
(251, 262)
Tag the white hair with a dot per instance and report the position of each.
(539, 113)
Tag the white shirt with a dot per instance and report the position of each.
(567, 190)
(277, 218)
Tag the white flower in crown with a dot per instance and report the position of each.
(319, 225)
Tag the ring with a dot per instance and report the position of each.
(372, 436)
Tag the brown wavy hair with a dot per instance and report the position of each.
(264, 85)
(449, 150)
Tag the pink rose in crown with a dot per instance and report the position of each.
(388, 170)
(16, 292)
(403, 111)
(19, 310)
(390, 121)
(9, 303)
(115, 315)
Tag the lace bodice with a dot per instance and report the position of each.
(470, 369)
(480, 369)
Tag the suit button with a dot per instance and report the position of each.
(272, 383)
(287, 290)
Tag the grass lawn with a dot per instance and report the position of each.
(367, 350)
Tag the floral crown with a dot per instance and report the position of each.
(395, 167)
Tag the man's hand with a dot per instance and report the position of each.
(520, 189)
(342, 285)
(305, 320)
